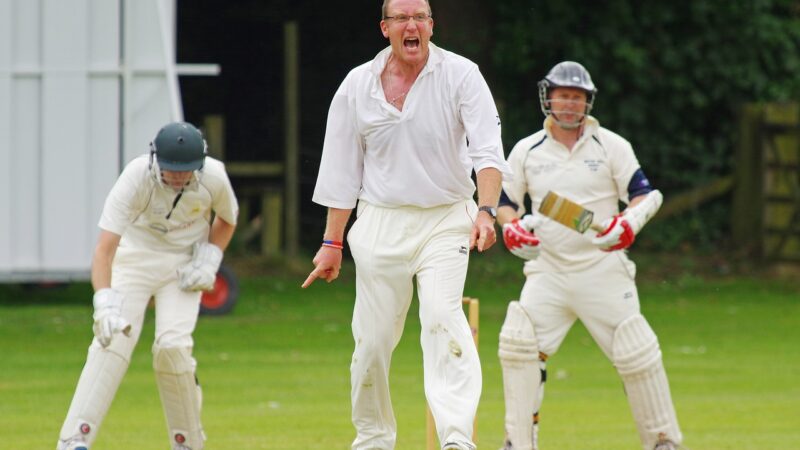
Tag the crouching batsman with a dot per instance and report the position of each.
(572, 276)
(157, 239)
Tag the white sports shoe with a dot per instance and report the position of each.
(72, 444)
(664, 444)
(456, 446)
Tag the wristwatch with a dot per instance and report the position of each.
(489, 209)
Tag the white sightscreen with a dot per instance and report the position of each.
(64, 93)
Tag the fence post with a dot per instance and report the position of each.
(748, 197)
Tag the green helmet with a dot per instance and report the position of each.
(179, 147)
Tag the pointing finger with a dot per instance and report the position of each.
(311, 277)
(482, 240)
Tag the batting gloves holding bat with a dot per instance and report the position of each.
(519, 238)
(201, 272)
(617, 234)
(107, 319)
(620, 231)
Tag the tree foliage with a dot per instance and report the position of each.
(671, 76)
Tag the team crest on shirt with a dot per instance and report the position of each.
(543, 168)
(593, 164)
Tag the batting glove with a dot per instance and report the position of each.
(107, 319)
(617, 235)
(201, 272)
(519, 238)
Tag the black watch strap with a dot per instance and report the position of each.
(489, 209)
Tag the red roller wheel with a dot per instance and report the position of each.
(223, 297)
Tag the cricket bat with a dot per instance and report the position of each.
(568, 213)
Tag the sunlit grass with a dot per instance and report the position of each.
(275, 371)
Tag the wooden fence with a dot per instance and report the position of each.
(766, 199)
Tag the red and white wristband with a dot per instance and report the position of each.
(333, 244)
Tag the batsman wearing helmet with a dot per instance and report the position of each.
(572, 276)
(405, 132)
(163, 229)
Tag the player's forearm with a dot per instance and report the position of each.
(101, 275)
(104, 252)
(221, 233)
(636, 200)
(505, 214)
(336, 223)
(489, 185)
(642, 208)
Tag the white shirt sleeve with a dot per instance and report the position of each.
(516, 187)
(125, 201)
(223, 198)
(481, 123)
(341, 168)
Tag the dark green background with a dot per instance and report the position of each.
(671, 78)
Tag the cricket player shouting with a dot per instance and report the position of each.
(574, 276)
(405, 132)
(157, 240)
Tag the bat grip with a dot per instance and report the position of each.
(597, 227)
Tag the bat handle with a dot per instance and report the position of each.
(597, 228)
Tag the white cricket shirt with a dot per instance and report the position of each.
(595, 174)
(140, 209)
(415, 157)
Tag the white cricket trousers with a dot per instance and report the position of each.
(137, 274)
(141, 274)
(601, 297)
(605, 299)
(390, 246)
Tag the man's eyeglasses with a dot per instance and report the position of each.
(402, 18)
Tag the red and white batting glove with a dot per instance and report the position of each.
(617, 234)
(520, 240)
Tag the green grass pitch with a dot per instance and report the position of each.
(275, 372)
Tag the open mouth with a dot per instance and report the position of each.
(411, 43)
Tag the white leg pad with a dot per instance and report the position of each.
(522, 376)
(180, 396)
(637, 357)
(100, 378)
